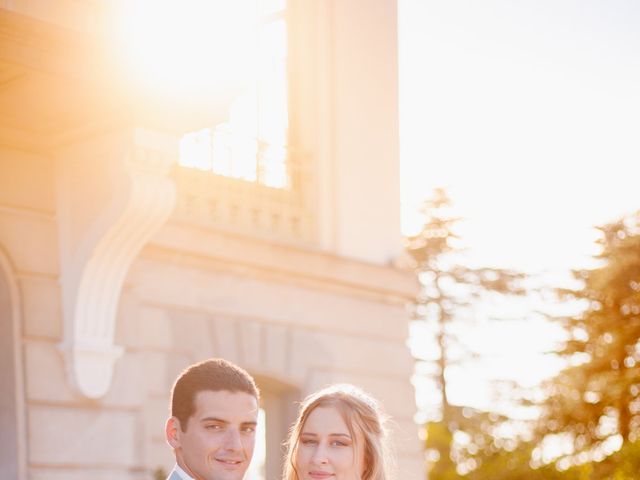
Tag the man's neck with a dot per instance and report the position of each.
(182, 474)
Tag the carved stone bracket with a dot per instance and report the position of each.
(114, 193)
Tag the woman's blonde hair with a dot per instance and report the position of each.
(361, 413)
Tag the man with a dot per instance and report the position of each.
(214, 410)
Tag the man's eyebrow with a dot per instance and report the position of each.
(213, 419)
(226, 422)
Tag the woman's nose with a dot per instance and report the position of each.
(320, 455)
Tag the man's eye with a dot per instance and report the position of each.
(213, 427)
(249, 429)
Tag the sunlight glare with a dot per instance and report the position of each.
(179, 47)
(251, 144)
(256, 470)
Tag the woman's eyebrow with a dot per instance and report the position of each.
(310, 434)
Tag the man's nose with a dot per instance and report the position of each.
(232, 440)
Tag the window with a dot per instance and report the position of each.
(252, 143)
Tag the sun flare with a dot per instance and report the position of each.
(179, 47)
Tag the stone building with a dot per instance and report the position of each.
(253, 217)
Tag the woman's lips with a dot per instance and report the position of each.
(319, 475)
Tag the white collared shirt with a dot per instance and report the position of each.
(182, 474)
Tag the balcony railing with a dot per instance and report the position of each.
(277, 207)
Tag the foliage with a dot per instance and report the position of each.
(480, 442)
(594, 402)
(449, 289)
(622, 465)
(597, 397)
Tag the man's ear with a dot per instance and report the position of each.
(172, 432)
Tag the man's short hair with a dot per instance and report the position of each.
(213, 375)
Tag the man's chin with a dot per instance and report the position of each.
(226, 474)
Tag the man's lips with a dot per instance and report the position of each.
(229, 462)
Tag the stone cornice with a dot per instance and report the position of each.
(280, 261)
(57, 84)
(38, 46)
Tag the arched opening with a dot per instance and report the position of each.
(12, 438)
(278, 412)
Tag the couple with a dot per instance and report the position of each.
(338, 434)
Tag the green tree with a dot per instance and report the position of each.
(450, 288)
(596, 398)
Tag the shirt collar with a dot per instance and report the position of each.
(182, 474)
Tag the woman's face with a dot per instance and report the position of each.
(326, 449)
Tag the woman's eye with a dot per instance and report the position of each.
(308, 442)
(338, 444)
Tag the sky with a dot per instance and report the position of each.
(528, 112)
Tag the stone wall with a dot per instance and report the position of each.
(299, 307)
(297, 318)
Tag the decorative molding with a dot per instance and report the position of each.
(8, 272)
(114, 193)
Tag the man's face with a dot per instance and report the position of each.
(218, 441)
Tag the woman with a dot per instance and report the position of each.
(339, 435)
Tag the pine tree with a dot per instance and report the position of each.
(449, 290)
(597, 397)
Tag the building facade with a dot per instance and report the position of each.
(122, 261)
